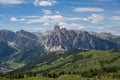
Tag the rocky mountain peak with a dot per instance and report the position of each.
(63, 39)
(56, 28)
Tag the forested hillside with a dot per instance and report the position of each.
(86, 65)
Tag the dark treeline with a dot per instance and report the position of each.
(88, 74)
(17, 75)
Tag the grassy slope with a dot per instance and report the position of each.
(81, 61)
(76, 62)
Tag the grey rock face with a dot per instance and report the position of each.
(42, 36)
(20, 39)
(7, 35)
(61, 39)
(107, 36)
(26, 34)
(69, 39)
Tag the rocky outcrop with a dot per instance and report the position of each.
(63, 39)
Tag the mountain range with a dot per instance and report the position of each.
(58, 52)
(21, 47)
(61, 39)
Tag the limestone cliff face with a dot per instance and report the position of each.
(63, 39)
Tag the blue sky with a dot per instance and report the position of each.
(42, 15)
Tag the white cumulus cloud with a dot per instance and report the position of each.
(12, 1)
(46, 11)
(46, 24)
(71, 26)
(14, 19)
(44, 2)
(46, 19)
(88, 9)
(95, 18)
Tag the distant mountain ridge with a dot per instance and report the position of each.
(107, 36)
(61, 39)
(21, 39)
